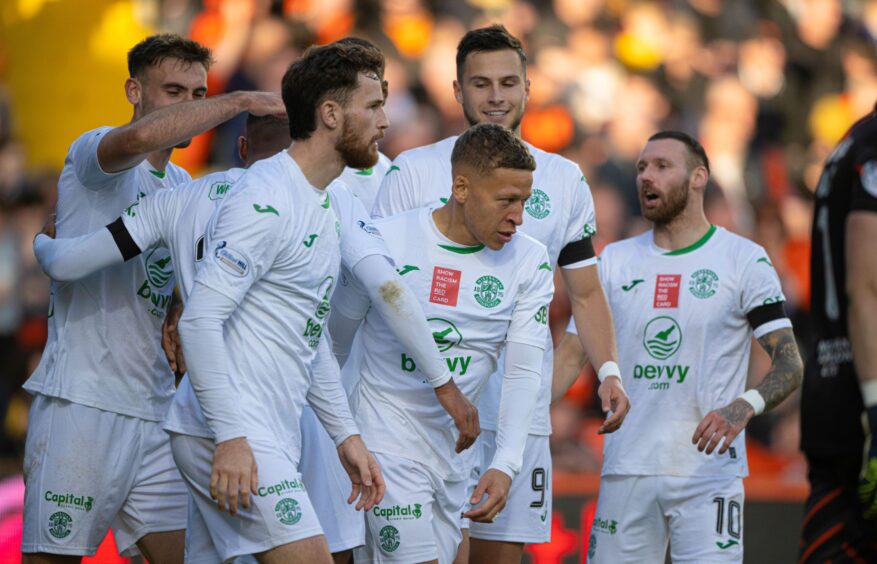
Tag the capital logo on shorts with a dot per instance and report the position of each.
(539, 204)
(287, 511)
(489, 291)
(662, 337)
(389, 538)
(159, 270)
(60, 524)
(703, 283)
(444, 333)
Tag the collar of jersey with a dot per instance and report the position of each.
(446, 243)
(690, 248)
(158, 173)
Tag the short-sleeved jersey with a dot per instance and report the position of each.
(560, 211)
(683, 342)
(364, 183)
(831, 404)
(273, 248)
(104, 344)
(475, 300)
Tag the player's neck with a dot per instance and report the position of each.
(448, 220)
(683, 231)
(320, 163)
(158, 159)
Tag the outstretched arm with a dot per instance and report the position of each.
(126, 146)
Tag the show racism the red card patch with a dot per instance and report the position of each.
(445, 286)
(667, 290)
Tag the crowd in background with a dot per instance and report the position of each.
(768, 87)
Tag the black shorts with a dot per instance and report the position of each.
(834, 529)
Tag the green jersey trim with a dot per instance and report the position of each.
(462, 250)
(158, 173)
(693, 247)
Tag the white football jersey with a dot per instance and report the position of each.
(475, 300)
(364, 183)
(559, 211)
(104, 345)
(683, 343)
(273, 248)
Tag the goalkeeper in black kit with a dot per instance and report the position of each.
(840, 382)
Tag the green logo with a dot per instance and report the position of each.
(443, 200)
(539, 204)
(129, 211)
(281, 488)
(309, 242)
(314, 328)
(445, 333)
(703, 283)
(662, 337)
(772, 300)
(287, 511)
(326, 203)
(218, 190)
(406, 269)
(606, 525)
(70, 501)
(766, 261)
(542, 315)
(392, 168)
(633, 283)
(544, 266)
(323, 308)
(267, 209)
(729, 544)
(158, 270)
(60, 524)
(389, 538)
(588, 231)
(488, 291)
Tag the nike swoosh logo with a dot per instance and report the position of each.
(267, 209)
(406, 269)
(310, 240)
(630, 286)
(728, 544)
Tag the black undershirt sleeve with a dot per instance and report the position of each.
(765, 314)
(577, 251)
(126, 244)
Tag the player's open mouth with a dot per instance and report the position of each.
(505, 236)
(649, 199)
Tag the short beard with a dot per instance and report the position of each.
(472, 121)
(353, 152)
(675, 204)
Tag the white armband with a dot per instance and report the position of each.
(609, 368)
(753, 398)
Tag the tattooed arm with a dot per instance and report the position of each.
(785, 375)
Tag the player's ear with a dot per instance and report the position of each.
(458, 92)
(133, 91)
(460, 188)
(329, 114)
(242, 148)
(699, 178)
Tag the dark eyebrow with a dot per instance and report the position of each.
(174, 85)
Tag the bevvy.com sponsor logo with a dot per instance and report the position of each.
(662, 338)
